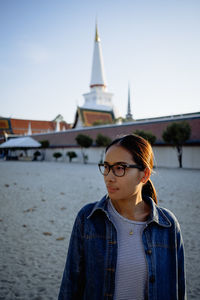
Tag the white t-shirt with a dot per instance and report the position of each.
(131, 270)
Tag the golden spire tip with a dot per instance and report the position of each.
(97, 39)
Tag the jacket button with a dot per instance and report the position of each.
(152, 279)
(149, 251)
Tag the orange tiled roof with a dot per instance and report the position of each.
(20, 126)
(89, 116)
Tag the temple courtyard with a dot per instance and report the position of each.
(38, 204)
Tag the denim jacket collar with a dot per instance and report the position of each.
(157, 215)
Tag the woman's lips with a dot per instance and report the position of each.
(111, 189)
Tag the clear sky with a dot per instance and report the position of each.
(46, 49)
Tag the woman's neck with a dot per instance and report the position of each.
(133, 209)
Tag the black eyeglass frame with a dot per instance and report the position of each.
(126, 166)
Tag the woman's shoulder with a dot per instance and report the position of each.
(169, 215)
(162, 215)
(87, 210)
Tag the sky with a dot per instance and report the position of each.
(46, 49)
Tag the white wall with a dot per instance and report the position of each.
(167, 157)
(191, 157)
(94, 154)
(164, 156)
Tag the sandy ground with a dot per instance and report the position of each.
(38, 204)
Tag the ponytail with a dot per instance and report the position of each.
(148, 189)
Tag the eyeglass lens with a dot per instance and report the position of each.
(118, 170)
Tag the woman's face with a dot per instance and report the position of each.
(128, 186)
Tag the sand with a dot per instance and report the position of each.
(38, 204)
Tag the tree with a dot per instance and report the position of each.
(101, 122)
(36, 155)
(57, 155)
(44, 146)
(177, 134)
(119, 120)
(147, 135)
(102, 141)
(71, 155)
(84, 141)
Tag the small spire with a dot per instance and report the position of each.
(29, 129)
(57, 125)
(129, 115)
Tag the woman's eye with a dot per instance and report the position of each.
(119, 168)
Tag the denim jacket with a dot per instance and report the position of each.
(89, 273)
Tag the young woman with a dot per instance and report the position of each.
(125, 247)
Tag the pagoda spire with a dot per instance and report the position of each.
(129, 115)
(98, 76)
(97, 39)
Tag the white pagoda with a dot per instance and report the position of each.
(97, 107)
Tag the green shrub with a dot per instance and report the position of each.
(102, 140)
(71, 155)
(147, 135)
(57, 155)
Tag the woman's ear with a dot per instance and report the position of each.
(146, 176)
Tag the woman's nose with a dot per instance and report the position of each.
(110, 176)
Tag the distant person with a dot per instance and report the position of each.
(125, 247)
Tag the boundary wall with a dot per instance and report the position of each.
(165, 156)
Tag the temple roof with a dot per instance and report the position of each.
(89, 117)
(21, 126)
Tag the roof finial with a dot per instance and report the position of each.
(97, 39)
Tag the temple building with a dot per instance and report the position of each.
(10, 127)
(97, 108)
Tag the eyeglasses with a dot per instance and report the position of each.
(118, 169)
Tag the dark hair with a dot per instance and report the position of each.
(142, 154)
